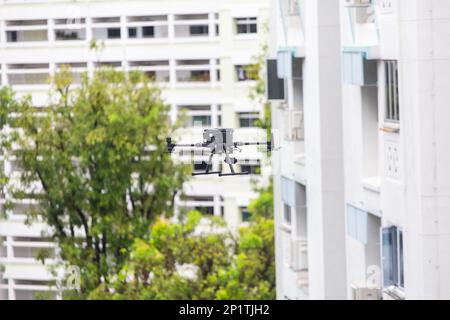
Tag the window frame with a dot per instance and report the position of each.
(245, 214)
(393, 274)
(251, 166)
(391, 94)
(287, 215)
(251, 117)
(249, 23)
(247, 71)
(193, 111)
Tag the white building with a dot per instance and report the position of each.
(362, 188)
(197, 50)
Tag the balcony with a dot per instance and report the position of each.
(148, 27)
(18, 31)
(196, 25)
(28, 74)
(199, 72)
(156, 70)
(181, 28)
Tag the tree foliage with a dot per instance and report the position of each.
(96, 159)
(198, 259)
(7, 105)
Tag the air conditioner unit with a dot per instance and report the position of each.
(298, 255)
(294, 125)
(364, 293)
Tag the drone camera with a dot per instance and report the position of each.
(231, 161)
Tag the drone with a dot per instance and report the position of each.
(219, 142)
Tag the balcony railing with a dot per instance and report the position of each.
(113, 28)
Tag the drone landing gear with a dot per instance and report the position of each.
(205, 173)
(207, 165)
(228, 160)
(233, 174)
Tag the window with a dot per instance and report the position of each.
(193, 71)
(70, 21)
(191, 25)
(28, 74)
(22, 23)
(132, 33)
(113, 33)
(106, 20)
(106, 33)
(248, 119)
(287, 214)
(201, 30)
(70, 34)
(26, 35)
(148, 27)
(105, 28)
(148, 32)
(246, 72)
(245, 214)
(275, 86)
(156, 70)
(357, 224)
(392, 239)
(134, 19)
(246, 25)
(392, 97)
(203, 204)
(252, 167)
(11, 36)
(197, 116)
(188, 17)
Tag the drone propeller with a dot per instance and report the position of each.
(170, 145)
(270, 144)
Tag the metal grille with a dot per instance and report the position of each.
(392, 99)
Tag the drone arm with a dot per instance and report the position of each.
(240, 144)
(268, 144)
(171, 146)
(192, 145)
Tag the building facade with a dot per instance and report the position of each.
(361, 181)
(196, 50)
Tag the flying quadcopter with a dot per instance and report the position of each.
(219, 142)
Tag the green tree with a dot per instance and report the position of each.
(98, 153)
(253, 275)
(198, 259)
(262, 207)
(8, 105)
